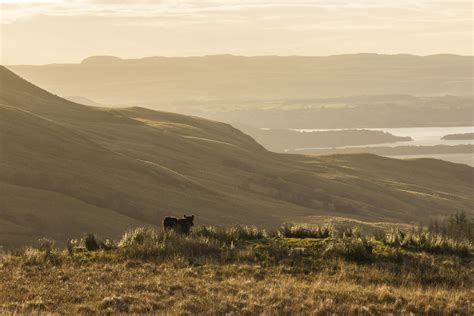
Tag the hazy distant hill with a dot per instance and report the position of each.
(161, 81)
(373, 111)
(66, 169)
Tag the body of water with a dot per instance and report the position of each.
(422, 136)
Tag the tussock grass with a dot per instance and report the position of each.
(426, 241)
(140, 236)
(243, 269)
(148, 243)
(357, 250)
(299, 231)
(247, 243)
(231, 234)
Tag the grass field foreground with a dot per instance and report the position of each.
(243, 270)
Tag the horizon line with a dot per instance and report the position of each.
(234, 55)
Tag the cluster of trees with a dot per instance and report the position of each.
(458, 226)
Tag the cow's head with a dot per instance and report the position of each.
(189, 219)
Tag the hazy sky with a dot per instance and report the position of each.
(49, 31)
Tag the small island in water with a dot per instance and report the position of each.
(458, 136)
(283, 140)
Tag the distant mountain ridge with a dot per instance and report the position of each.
(107, 59)
(162, 81)
(67, 169)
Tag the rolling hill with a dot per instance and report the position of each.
(66, 169)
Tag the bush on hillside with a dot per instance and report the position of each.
(91, 243)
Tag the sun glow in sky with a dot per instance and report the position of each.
(50, 31)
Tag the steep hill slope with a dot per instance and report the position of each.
(66, 169)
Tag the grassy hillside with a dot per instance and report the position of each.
(61, 161)
(243, 270)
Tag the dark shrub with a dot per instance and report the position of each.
(91, 243)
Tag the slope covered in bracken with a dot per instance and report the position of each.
(66, 169)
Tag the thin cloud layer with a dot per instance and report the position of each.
(249, 27)
(13, 10)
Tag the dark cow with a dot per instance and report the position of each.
(180, 225)
(169, 222)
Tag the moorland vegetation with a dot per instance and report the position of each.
(246, 270)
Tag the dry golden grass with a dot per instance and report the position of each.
(177, 288)
(239, 270)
